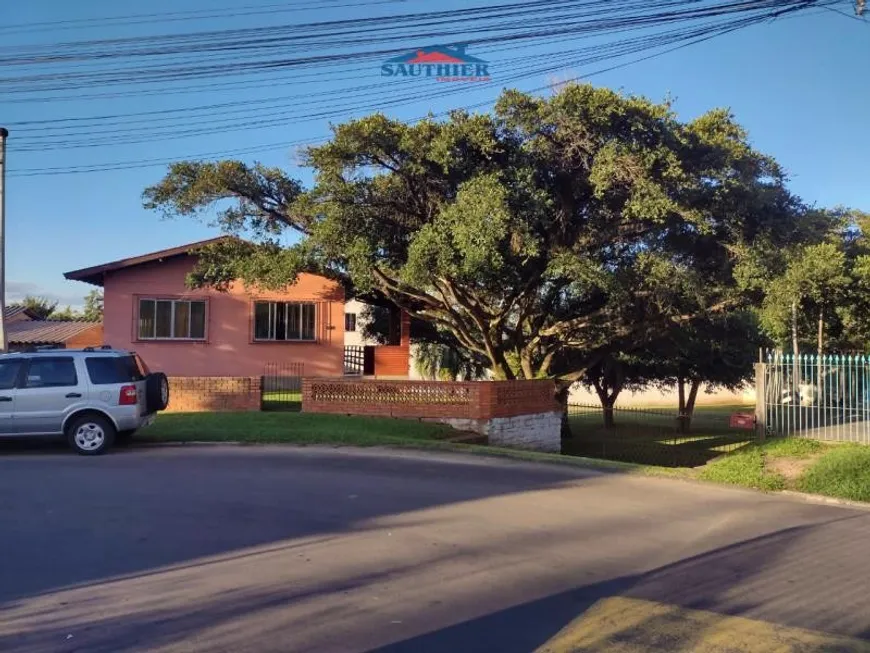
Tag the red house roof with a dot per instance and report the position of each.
(95, 275)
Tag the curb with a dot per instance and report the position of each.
(193, 443)
(820, 498)
(585, 464)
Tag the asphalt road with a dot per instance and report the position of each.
(272, 549)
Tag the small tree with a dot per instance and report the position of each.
(612, 375)
(93, 311)
(718, 352)
(41, 307)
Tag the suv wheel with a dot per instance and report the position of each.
(90, 435)
(156, 392)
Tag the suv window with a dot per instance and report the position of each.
(9, 373)
(107, 370)
(51, 373)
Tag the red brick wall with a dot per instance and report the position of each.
(392, 360)
(92, 337)
(197, 394)
(428, 399)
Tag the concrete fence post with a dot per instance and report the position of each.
(761, 400)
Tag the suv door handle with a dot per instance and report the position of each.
(74, 395)
(5, 398)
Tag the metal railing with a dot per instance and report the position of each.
(354, 360)
(819, 397)
(282, 386)
(654, 436)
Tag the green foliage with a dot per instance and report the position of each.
(41, 307)
(844, 472)
(440, 362)
(93, 311)
(542, 237)
(825, 281)
(65, 315)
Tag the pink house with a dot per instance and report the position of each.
(207, 333)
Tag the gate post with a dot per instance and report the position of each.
(760, 400)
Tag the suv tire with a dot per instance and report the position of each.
(156, 392)
(90, 434)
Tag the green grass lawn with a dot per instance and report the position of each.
(753, 465)
(294, 428)
(844, 472)
(651, 435)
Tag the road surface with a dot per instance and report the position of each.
(270, 549)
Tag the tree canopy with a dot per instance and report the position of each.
(41, 307)
(542, 237)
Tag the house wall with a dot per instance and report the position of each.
(92, 337)
(229, 348)
(355, 338)
(394, 361)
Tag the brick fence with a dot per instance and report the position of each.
(521, 414)
(196, 394)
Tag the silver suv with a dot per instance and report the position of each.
(92, 396)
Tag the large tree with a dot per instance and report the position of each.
(541, 237)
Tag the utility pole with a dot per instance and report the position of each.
(3, 342)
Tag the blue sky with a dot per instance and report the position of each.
(799, 86)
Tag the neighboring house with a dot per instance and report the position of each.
(23, 334)
(354, 323)
(17, 313)
(204, 332)
(24, 330)
(368, 358)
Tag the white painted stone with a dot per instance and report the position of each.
(538, 432)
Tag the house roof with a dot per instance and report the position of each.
(40, 332)
(16, 310)
(95, 275)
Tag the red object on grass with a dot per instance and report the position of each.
(742, 421)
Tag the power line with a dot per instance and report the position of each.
(506, 27)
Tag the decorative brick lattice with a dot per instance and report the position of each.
(391, 393)
(478, 400)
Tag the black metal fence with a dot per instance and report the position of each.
(655, 437)
(282, 386)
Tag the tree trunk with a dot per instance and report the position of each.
(687, 410)
(681, 400)
(609, 421)
(607, 397)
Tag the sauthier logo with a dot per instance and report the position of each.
(446, 63)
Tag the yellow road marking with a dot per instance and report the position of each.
(624, 625)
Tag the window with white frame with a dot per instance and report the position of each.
(284, 321)
(172, 319)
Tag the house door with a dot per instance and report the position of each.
(369, 360)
